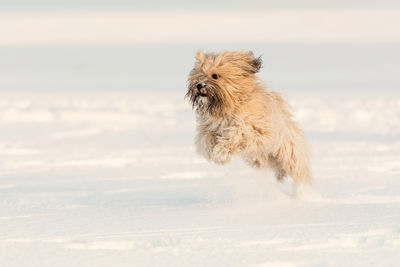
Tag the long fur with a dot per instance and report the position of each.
(237, 115)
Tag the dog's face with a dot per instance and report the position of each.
(218, 81)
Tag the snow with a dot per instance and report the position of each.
(112, 179)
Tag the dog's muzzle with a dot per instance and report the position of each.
(201, 88)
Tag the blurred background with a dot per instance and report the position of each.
(121, 45)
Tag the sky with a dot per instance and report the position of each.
(122, 45)
(43, 27)
(196, 5)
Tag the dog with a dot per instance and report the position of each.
(237, 115)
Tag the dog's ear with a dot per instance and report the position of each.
(255, 63)
(249, 63)
(200, 56)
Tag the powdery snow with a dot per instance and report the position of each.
(101, 179)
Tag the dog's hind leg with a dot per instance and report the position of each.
(294, 160)
(280, 172)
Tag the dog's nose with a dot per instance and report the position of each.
(199, 86)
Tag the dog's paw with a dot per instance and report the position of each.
(205, 152)
(221, 154)
(255, 163)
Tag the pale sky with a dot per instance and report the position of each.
(44, 27)
(209, 5)
(124, 44)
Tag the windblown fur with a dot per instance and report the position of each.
(236, 115)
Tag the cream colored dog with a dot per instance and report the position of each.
(236, 115)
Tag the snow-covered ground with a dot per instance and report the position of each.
(102, 179)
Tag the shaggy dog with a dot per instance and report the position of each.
(236, 115)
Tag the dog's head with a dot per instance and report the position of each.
(218, 82)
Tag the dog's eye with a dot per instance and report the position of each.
(214, 76)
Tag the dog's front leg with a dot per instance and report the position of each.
(227, 144)
(205, 143)
(221, 153)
